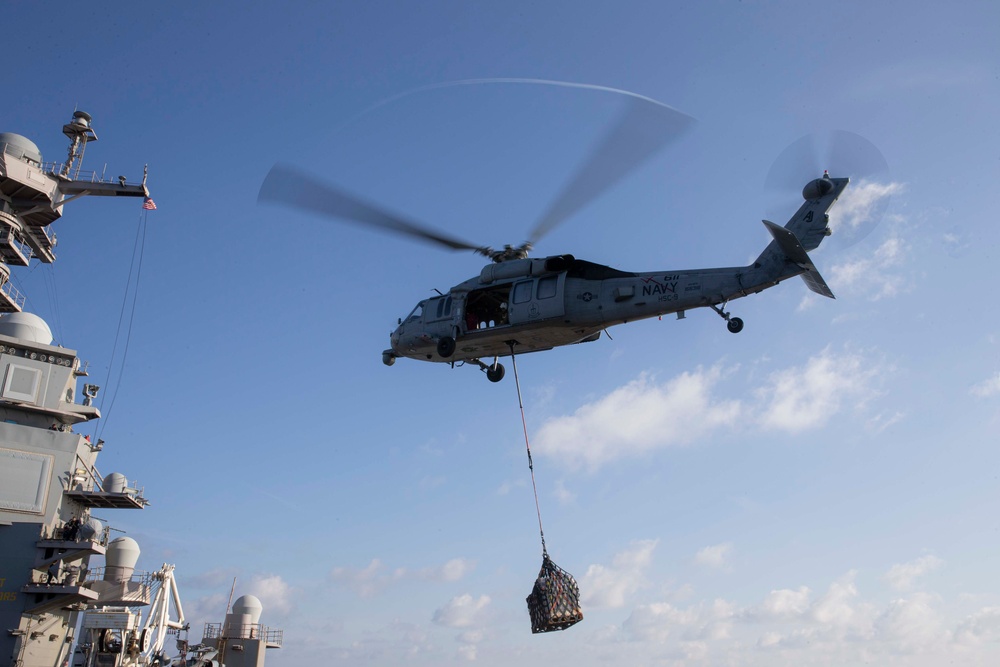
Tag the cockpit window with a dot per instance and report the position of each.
(417, 313)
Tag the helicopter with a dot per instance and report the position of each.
(519, 304)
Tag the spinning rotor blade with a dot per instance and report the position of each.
(842, 153)
(644, 128)
(291, 187)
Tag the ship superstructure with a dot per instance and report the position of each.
(49, 482)
(51, 599)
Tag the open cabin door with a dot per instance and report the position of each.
(538, 299)
(487, 308)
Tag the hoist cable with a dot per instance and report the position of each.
(527, 446)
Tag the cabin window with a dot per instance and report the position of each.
(443, 307)
(522, 292)
(547, 287)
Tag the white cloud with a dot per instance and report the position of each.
(835, 608)
(902, 575)
(861, 203)
(982, 626)
(911, 625)
(207, 609)
(469, 641)
(462, 611)
(714, 556)
(694, 626)
(987, 388)
(782, 604)
(610, 586)
(872, 275)
(453, 570)
(644, 415)
(376, 576)
(802, 398)
(655, 622)
(275, 595)
(640, 417)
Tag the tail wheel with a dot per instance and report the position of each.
(735, 325)
(446, 346)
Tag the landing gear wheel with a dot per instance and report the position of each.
(446, 346)
(735, 325)
(495, 372)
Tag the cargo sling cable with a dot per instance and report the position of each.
(554, 602)
(531, 466)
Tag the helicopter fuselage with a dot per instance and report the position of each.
(553, 308)
(530, 305)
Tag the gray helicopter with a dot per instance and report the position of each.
(520, 304)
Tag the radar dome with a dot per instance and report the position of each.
(122, 552)
(249, 605)
(20, 147)
(26, 326)
(120, 560)
(115, 482)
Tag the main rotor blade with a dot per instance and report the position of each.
(297, 189)
(644, 128)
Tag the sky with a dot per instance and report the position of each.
(820, 489)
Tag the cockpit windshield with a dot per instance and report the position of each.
(417, 313)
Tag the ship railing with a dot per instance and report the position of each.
(13, 295)
(49, 234)
(12, 238)
(95, 479)
(147, 579)
(247, 631)
(80, 175)
(7, 210)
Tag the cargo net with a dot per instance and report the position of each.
(554, 603)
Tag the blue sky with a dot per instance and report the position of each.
(820, 489)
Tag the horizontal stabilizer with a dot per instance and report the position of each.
(790, 245)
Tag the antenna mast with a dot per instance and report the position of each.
(79, 132)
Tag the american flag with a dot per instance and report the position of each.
(148, 204)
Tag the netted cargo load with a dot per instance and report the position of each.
(554, 603)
